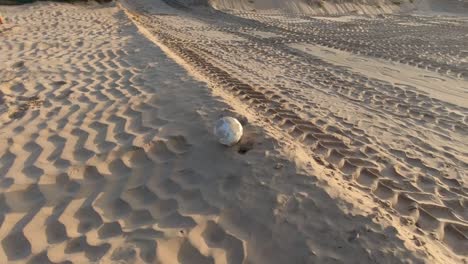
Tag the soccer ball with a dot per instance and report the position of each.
(228, 130)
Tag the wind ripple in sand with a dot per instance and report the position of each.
(368, 128)
(114, 165)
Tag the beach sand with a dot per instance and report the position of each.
(107, 156)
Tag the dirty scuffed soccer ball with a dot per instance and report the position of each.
(228, 130)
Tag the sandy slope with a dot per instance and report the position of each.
(311, 7)
(343, 7)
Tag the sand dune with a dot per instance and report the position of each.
(108, 156)
(312, 7)
(333, 7)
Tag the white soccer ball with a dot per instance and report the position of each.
(228, 130)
